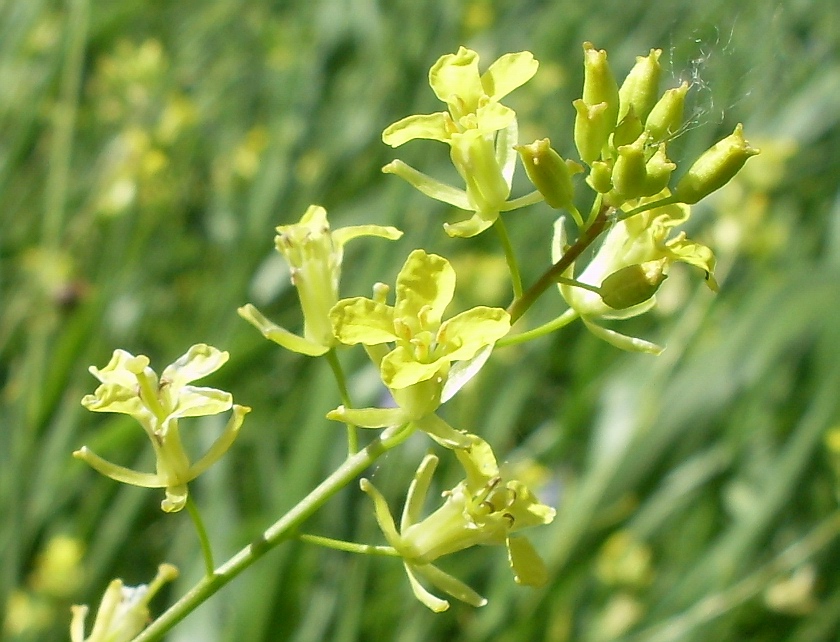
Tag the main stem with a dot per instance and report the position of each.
(521, 304)
(278, 532)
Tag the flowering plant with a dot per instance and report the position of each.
(618, 217)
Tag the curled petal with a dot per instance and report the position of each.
(199, 361)
(425, 285)
(344, 234)
(473, 226)
(466, 333)
(121, 369)
(456, 75)
(437, 126)
(509, 72)
(176, 498)
(194, 401)
(400, 370)
(361, 320)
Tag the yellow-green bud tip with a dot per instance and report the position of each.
(633, 284)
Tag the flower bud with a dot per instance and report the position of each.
(600, 177)
(549, 173)
(628, 129)
(658, 170)
(633, 284)
(599, 84)
(629, 173)
(666, 116)
(715, 167)
(641, 86)
(592, 130)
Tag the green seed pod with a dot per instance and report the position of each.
(658, 170)
(666, 116)
(633, 284)
(629, 173)
(599, 85)
(641, 86)
(600, 177)
(550, 174)
(715, 167)
(592, 130)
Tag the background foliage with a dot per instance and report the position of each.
(149, 148)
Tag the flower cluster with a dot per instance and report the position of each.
(625, 233)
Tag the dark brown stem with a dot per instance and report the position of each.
(520, 305)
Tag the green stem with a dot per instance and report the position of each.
(521, 303)
(277, 533)
(350, 547)
(206, 549)
(341, 381)
(560, 322)
(510, 257)
(668, 200)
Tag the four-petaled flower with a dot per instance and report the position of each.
(633, 248)
(131, 387)
(417, 368)
(480, 131)
(482, 509)
(314, 254)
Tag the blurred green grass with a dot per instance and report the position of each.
(149, 149)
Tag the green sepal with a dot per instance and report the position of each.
(527, 566)
(280, 335)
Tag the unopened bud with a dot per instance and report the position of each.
(628, 129)
(592, 130)
(633, 284)
(658, 171)
(599, 84)
(715, 167)
(550, 174)
(629, 172)
(600, 177)
(666, 116)
(641, 86)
